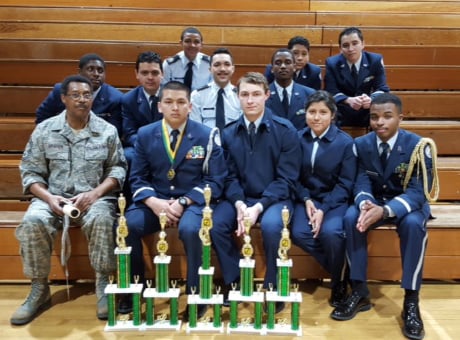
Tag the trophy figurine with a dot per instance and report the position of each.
(246, 292)
(206, 273)
(284, 264)
(162, 289)
(123, 285)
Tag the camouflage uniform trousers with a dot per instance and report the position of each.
(40, 226)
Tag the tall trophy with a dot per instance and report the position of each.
(206, 273)
(284, 264)
(162, 289)
(246, 292)
(123, 284)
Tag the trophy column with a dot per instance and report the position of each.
(162, 289)
(123, 285)
(206, 273)
(284, 264)
(246, 292)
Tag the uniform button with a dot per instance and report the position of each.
(172, 187)
(384, 186)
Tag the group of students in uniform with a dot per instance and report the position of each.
(272, 141)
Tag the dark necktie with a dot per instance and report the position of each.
(189, 75)
(384, 147)
(285, 102)
(354, 73)
(153, 107)
(252, 134)
(220, 111)
(174, 134)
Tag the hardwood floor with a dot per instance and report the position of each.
(76, 319)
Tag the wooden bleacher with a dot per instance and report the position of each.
(42, 41)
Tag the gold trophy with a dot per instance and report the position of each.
(206, 273)
(162, 289)
(283, 293)
(123, 285)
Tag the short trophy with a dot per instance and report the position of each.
(162, 289)
(283, 293)
(123, 284)
(246, 292)
(206, 273)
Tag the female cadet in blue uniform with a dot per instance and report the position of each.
(323, 191)
(381, 197)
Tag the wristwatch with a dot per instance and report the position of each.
(386, 213)
(183, 202)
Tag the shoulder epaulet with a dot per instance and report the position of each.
(204, 87)
(283, 121)
(172, 60)
(206, 58)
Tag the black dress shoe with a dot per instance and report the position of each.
(413, 324)
(125, 305)
(354, 304)
(338, 294)
(200, 312)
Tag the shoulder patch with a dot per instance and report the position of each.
(204, 87)
(206, 58)
(172, 60)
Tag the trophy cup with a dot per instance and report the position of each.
(162, 289)
(123, 285)
(284, 264)
(246, 292)
(206, 273)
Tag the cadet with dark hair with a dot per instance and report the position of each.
(354, 77)
(305, 73)
(189, 66)
(106, 98)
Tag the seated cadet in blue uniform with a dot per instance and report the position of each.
(262, 152)
(354, 77)
(217, 103)
(324, 190)
(139, 106)
(306, 73)
(107, 99)
(287, 98)
(175, 159)
(381, 196)
(189, 66)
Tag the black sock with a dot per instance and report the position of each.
(410, 296)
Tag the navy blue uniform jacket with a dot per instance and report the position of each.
(330, 182)
(381, 187)
(297, 102)
(106, 105)
(338, 80)
(151, 164)
(269, 171)
(135, 110)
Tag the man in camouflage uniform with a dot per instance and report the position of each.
(74, 157)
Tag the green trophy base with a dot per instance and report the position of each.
(284, 327)
(162, 324)
(123, 323)
(246, 326)
(206, 324)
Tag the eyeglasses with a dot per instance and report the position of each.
(77, 96)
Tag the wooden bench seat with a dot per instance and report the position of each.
(120, 74)
(156, 16)
(15, 132)
(239, 5)
(443, 6)
(442, 259)
(127, 51)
